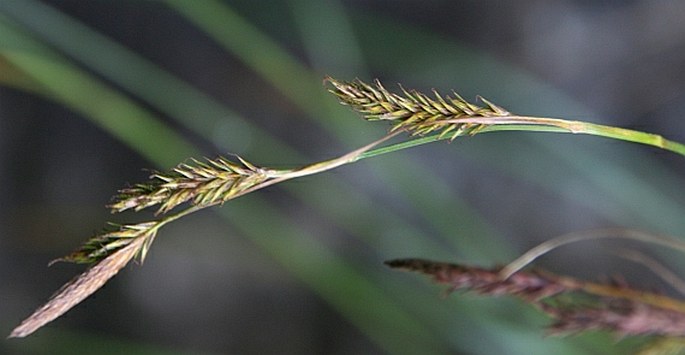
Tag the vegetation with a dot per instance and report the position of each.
(381, 311)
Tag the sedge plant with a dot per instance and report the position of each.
(198, 184)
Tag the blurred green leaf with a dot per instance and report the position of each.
(399, 315)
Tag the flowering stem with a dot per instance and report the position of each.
(543, 124)
(528, 257)
(212, 182)
(539, 124)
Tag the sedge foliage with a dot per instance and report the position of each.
(196, 185)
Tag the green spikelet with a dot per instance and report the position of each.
(413, 111)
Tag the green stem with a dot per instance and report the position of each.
(629, 135)
(540, 124)
(400, 146)
(544, 124)
(492, 124)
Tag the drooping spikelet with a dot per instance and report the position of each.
(79, 288)
(617, 308)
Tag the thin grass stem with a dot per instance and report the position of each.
(544, 124)
(544, 248)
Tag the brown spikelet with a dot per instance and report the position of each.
(530, 285)
(584, 306)
(623, 317)
(78, 289)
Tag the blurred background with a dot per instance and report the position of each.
(93, 93)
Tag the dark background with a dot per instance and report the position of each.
(95, 92)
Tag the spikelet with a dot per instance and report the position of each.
(413, 111)
(79, 288)
(616, 307)
(201, 183)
